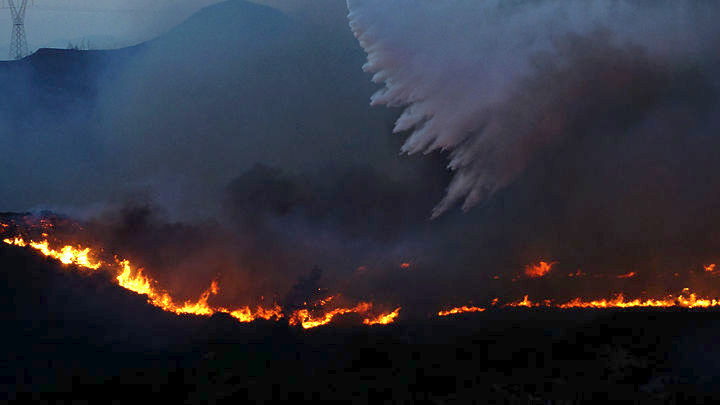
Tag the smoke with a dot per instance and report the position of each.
(498, 83)
(176, 119)
(157, 151)
(244, 142)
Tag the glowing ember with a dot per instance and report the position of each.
(710, 268)
(627, 275)
(460, 310)
(538, 270)
(405, 265)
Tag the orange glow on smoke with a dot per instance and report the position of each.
(538, 270)
(460, 310)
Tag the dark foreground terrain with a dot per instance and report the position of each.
(70, 336)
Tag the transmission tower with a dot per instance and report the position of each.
(18, 41)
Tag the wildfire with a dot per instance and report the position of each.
(307, 319)
(246, 314)
(460, 310)
(383, 319)
(325, 310)
(685, 300)
(538, 270)
(527, 303)
(67, 255)
(134, 280)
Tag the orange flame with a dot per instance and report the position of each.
(460, 310)
(67, 255)
(245, 314)
(383, 319)
(627, 275)
(710, 267)
(527, 303)
(304, 318)
(134, 280)
(684, 300)
(539, 270)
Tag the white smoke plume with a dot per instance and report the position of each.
(482, 79)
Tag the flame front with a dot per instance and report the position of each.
(134, 280)
(67, 255)
(326, 309)
(684, 300)
(383, 319)
(306, 319)
(461, 310)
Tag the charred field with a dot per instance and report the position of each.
(70, 335)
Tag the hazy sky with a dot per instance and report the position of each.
(55, 22)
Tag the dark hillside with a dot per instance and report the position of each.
(51, 81)
(70, 335)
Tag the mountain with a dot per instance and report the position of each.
(236, 84)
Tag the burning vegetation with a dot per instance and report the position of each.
(307, 305)
(307, 314)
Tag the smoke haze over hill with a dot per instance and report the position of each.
(250, 128)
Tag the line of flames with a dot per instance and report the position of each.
(685, 300)
(136, 281)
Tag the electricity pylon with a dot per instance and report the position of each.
(18, 41)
